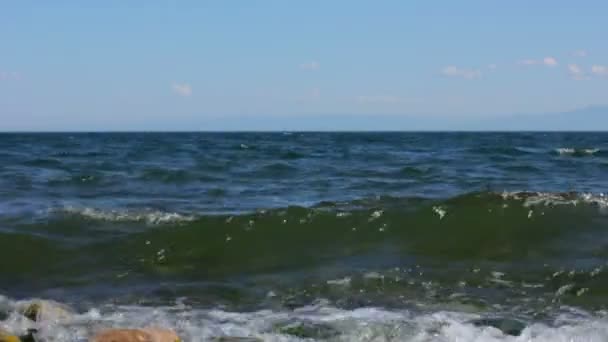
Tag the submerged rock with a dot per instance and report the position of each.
(309, 330)
(508, 326)
(29, 336)
(5, 336)
(137, 335)
(236, 339)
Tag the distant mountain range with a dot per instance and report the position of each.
(594, 118)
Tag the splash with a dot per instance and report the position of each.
(319, 321)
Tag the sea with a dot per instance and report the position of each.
(308, 236)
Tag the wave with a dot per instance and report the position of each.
(80, 154)
(402, 214)
(92, 179)
(147, 216)
(417, 172)
(556, 198)
(278, 169)
(522, 230)
(478, 226)
(292, 155)
(504, 150)
(577, 152)
(320, 321)
(44, 163)
(168, 175)
(522, 151)
(523, 167)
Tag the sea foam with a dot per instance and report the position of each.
(115, 215)
(577, 151)
(319, 321)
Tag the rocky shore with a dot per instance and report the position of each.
(34, 315)
(27, 321)
(38, 313)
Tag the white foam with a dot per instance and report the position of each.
(363, 324)
(340, 282)
(147, 216)
(565, 150)
(376, 214)
(531, 199)
(440, 211)
(569, 150)
(373, 275)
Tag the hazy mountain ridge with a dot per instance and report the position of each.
(593, 118)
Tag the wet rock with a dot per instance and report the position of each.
(5, 336)
(309, 330)
(45, 310)
(236, 339)
(29, 337)
(137, 335)
(508, 326)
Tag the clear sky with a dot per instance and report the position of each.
(193, 65)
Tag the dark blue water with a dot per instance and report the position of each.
(325, 236)
(240, 172)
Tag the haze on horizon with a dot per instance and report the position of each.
(198, 65)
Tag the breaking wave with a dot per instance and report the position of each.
(577, 151)
(147, 216)
(317, 322)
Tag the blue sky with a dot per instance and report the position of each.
(194, 65)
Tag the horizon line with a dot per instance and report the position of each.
(293, 131)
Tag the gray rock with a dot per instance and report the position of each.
(309, 330)
(236, 339)
(508, 326)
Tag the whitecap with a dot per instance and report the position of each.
(531, 199)
(147, 216)
(570, 151)
(340, 282)
(440, 211)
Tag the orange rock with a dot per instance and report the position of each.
(136, 335)
(6, 337)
